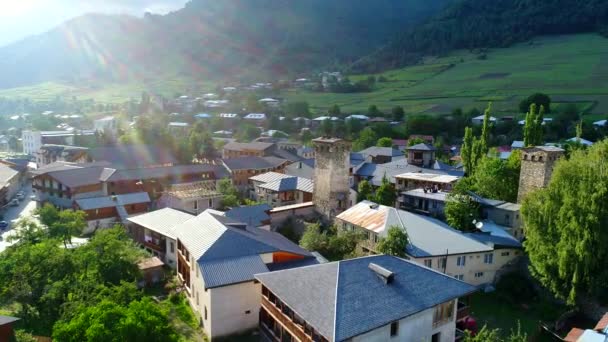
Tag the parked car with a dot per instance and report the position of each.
(20, 196)
(3, 225)
(14, 203)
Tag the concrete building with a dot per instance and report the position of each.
(422, 155)
(241, 169)
(331, 183)
(279, 189)
(193, 198)
(10, 183)
(49, 154)
(33, 140)
(217, 258)
(107, 211)
(430, 181)
(106, 125)
(475, 258)
(375, 298)
(536, 168)
(256, 149)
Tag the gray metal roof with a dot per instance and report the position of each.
(420, 193)
(381, 151)
(6, 174)
(289, 184)
(252, 162)
(421, 147)
(257, 146)
(269, 177)
(345, 299)
(253, 215)
(163, 172)
(427, 236)
(112, 201)
(162, 221)
(7, 320)
(231, 271)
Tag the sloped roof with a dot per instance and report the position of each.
(253, 215)
(162, 221)
(252, 162)
(256, 146)
(427, 236)
(112, 201)
(6, 174)
(345, 299)
(289, 184)
(74, 177)
(269, 177)
(220, 272)
(163, 172)
(421, 147)
(132, 156)
(381, 151)
(193, 190)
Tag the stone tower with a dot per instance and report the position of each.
(536, 168)
(331, 183)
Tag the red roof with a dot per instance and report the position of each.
(573, 335)
(603, 323)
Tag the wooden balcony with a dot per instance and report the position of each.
(462, 312)
(160, 247)
(294, 329)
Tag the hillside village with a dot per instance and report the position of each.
(275, 225)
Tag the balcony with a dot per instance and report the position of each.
(462, 312)
(156, 245)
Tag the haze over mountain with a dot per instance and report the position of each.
(211, 38)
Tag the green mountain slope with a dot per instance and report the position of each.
(469, 24)
(211, 39)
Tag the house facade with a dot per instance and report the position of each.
(363, 299)
(277, 189)
(257, 149)
(193, 198)
(474, 258)
(241, 169)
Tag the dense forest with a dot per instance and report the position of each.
(217, 39)
(471, 24)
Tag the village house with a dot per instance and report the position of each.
(241, 169)
(422, 155)
(133, 156)
(478, 120)
(374, 298)
(474, 258)
(217, 258)
(48, 154)
(107, 211)
(254, 215)
(33, 140)
(278, 189)
(10, 183)
(304, 168)
(430, 181)
(381, 155)
(193, 197)
(257, 149)
(106, 125)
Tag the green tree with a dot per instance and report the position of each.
(334, 110)
(485, 131)
(22, 336)
(386, 193)
(565, 226)
(533, 127)
(230, 193)
(498, 179)
(538, 99)
(398, 113)
(327, 128)
(297, 109)
(486, 334)
(108, 321)
(314, 239)
(68, 223)
(385, 142)
(394, 243)
(466, 151)
(367, 138)
(374, 111)
(364, 191)
(460, 208)
(247, 132)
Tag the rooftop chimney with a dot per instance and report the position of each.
(374, 206)
(385, 275)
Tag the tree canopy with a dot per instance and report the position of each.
(386, 194)
(538, 99)
(364, 191)
(566, 226)
(385, 142)
(394, 243)
(533, 127)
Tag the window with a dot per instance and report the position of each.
(205, 312)
(376, 238)
(441, 263)
(172, 247)
(394, 329)
(197, 303)
(428, 263)
(436, 337)
(504, 254)
(461, 261)
(195, 205)
(210, 203)
(478, 274)
(459, 276)
(443, 313)
(488, 258)
(247, 312)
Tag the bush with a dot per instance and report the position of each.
(516, 288)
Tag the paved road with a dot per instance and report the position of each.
(13, 214)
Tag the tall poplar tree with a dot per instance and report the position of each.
(466, 151)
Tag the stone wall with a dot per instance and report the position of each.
(536, 168)
(331, 178)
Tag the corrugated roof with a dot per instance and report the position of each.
(255, 146)
(381, 151)
(269, 177)
(203, 189)
(428, 236)
(231, 271)
(421, 147)
(289, 184)
(74, 177)
(253, 163)
(112, 201)
(345, 299)
(252, 215)
(162, 221)
(429, 177)
(437, 196)
(132, 156)
(163, 172)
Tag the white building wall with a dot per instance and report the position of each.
(230, 309)
(415, 328)
(171, 257)
(32, 141)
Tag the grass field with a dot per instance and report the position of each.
(571, 69)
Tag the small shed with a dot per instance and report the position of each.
(152, 271)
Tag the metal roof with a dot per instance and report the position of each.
(202, 189)
(289, 184)
(112, 201)
(133, 156)
(421, 147)
(381, 151)
(253, 163)
(437, 196)
(255, 146)
(255, 116)
(253, 215)
(162, 221)
(4, 320)
(427, 236)
(231, 271)
(163, 172)
(429, 177)
(345, 299)
(269, 177)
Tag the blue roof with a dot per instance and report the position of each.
(253, 215)
(203, 116)
(361, 300)
(495, 241)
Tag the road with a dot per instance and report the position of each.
(13, 214)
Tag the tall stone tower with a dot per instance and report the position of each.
(536, 168)
(331, 183)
